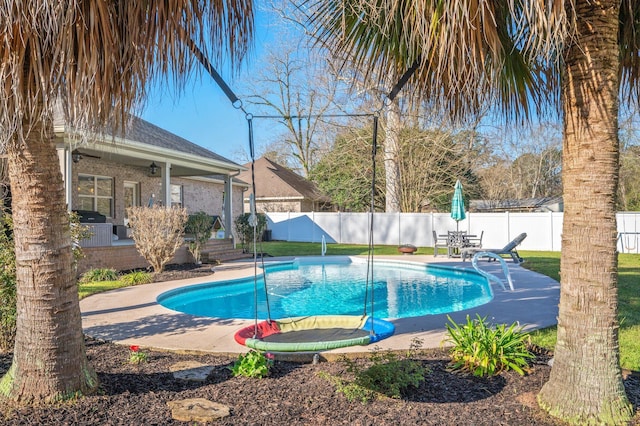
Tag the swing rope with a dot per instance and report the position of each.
(253, 221)
(370, 280)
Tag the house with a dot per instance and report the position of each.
(147, 165)
(542, 204)
(278, 189)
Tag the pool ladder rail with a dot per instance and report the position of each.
(487, 275)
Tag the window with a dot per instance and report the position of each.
(95, 193)
(176, 195)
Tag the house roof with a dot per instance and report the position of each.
(278, 182)
(142, 131)
(143, 142)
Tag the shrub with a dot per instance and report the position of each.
(7, 284)
(158, 233)
(389, 374)
(78, 232)
(252, 364)
(484, 350)
(200, 226)
(245, 230)
(8, 273)
(137, 277)
(99, 274)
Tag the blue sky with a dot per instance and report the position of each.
(202, 113)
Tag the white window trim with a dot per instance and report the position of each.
(95, 196)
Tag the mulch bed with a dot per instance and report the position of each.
(293, 394)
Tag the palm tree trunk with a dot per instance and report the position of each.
(49, 359)
(586, 386)
(392, 157)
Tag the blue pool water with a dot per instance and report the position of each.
(335, 286)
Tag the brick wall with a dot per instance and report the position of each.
(122, 258)
(197, 194)
(120, 173)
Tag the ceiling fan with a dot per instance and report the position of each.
(77, 155)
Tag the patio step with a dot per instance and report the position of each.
(216, 251)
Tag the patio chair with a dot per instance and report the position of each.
(509, 249)
(474, 242)
(438, 242)
(455, 241)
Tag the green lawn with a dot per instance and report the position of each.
(547, 263)
(87, 289)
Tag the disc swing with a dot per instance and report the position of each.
(317, 332)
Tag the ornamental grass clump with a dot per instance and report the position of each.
(137, 277)
(485, 350)
(99, 274)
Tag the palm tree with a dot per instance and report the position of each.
(470, 52)
(91, 60)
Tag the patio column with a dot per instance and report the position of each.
(166, 184)
(228, 206)
(64, 157)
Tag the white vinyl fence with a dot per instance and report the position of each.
(543, 229)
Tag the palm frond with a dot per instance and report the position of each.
(629, 39)
(470, 52)
(95, 57)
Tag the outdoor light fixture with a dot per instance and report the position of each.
(153, 168)
(76, 156)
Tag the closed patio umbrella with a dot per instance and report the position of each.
(457, 204)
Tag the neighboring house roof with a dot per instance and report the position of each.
(528, 204)
(274, 181)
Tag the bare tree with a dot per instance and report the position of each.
(629, 189)
(297, 89)
(527, 159)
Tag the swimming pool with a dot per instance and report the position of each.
(335, 286)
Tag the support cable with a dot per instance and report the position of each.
(403, 80)
(253, 220)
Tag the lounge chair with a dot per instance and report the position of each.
(509, 249)
(438, 242)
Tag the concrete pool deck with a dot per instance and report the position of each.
(131, 315)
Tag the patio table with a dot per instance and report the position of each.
(457, 240)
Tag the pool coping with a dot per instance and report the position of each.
(131, 315)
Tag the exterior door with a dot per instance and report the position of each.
(131, 198)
